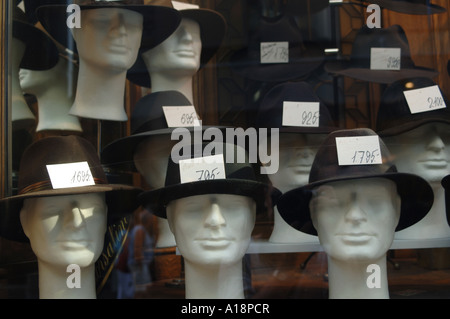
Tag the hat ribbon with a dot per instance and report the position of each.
(47, 185)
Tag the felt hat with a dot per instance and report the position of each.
(41, 52)
(147, 120)
(303, 57)
(416, 194)
(213, 27)
(394, 114)
(240, 179)
(270, 112)
(358, 66)
(446, 184)
(410, 6)
(34, 181)
(32, 5)
(160, 19)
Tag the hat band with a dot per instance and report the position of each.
(47, 185)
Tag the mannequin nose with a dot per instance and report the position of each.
(304, 152)
(436, 144)
(355, 213)
(120, 26)
(75, 216)
(185, 35)
(215, 218)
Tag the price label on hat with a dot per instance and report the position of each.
(358, 150)
(425, 99)
(385, 58)
(70, 175)
(181, 116)
(202, 169)
(177, 5)
(301, 114)
(274, 52)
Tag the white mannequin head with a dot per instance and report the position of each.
(109, 38)
(424, 151)
(213, 229)
(356, 219)
(65, 230)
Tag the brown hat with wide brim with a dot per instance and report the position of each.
(34, 181)
(416, 194)
(358, 65)
(420, 7)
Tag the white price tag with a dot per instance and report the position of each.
(301, 114)
(70, 175)
(184, 6)
(425, 99)
(385, 58)
(202, 169)
(358, 150)
(181, 116)
(274, 52)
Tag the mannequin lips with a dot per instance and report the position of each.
(186, 53)
(119, 48)
(75, 244)
(355, 238)
(213, 242)
(23, 73)
(435, 163)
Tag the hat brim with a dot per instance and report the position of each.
(345, 68)
(410, 125)
(120, 199)
(416, 195)
(159, 22)
(157, 200)
(409, 8)
(446, 184)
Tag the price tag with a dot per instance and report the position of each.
(70, 175)
(301, 114)
(202, 169)
(181, 116)
(184, 6)
(425, 99)
(358, 150)
(385, 58)
(274, 52)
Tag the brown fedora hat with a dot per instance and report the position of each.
(416, 194)
(34, 181)
(358, 65)
(410, 6)
(394, 114)
(160, 19)
(213, 28)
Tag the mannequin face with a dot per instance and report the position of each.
(109, 38)
(297, 152)
(180, 52)
(424, 151)
(66, 230)
(212, 229)
(356, 219)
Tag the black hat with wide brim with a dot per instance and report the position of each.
(446, 184)
(420, 7)
(213, 28)
(416, 194)
(160, 20)
(358, 65)
(34, 182)
(240, 180)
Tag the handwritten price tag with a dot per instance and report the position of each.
(184, 6)
(301, 114)
(425, 99)
(385, 58)
(202, 169)
(274, 52)
(358, 150)
(181, 116)
(70, 175)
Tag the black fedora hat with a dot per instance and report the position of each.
(160, 20)
(34, 181)
(239, 179)
(303, 58)
(394, 114)
(213, 27)
(446, 184)
(32, 5)
(41, 52)
(358, 66)
(410, 6)
(416, 194)
(270, 111)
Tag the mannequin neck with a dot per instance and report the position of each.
(214, 282)
(100, 94)
(168, 82)
(53, 282)
(349, 280)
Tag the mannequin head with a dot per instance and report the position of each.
(212, 229)
(356, 219)
(109, 38)
(178, 54)
(66, 230)
(424, 151)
